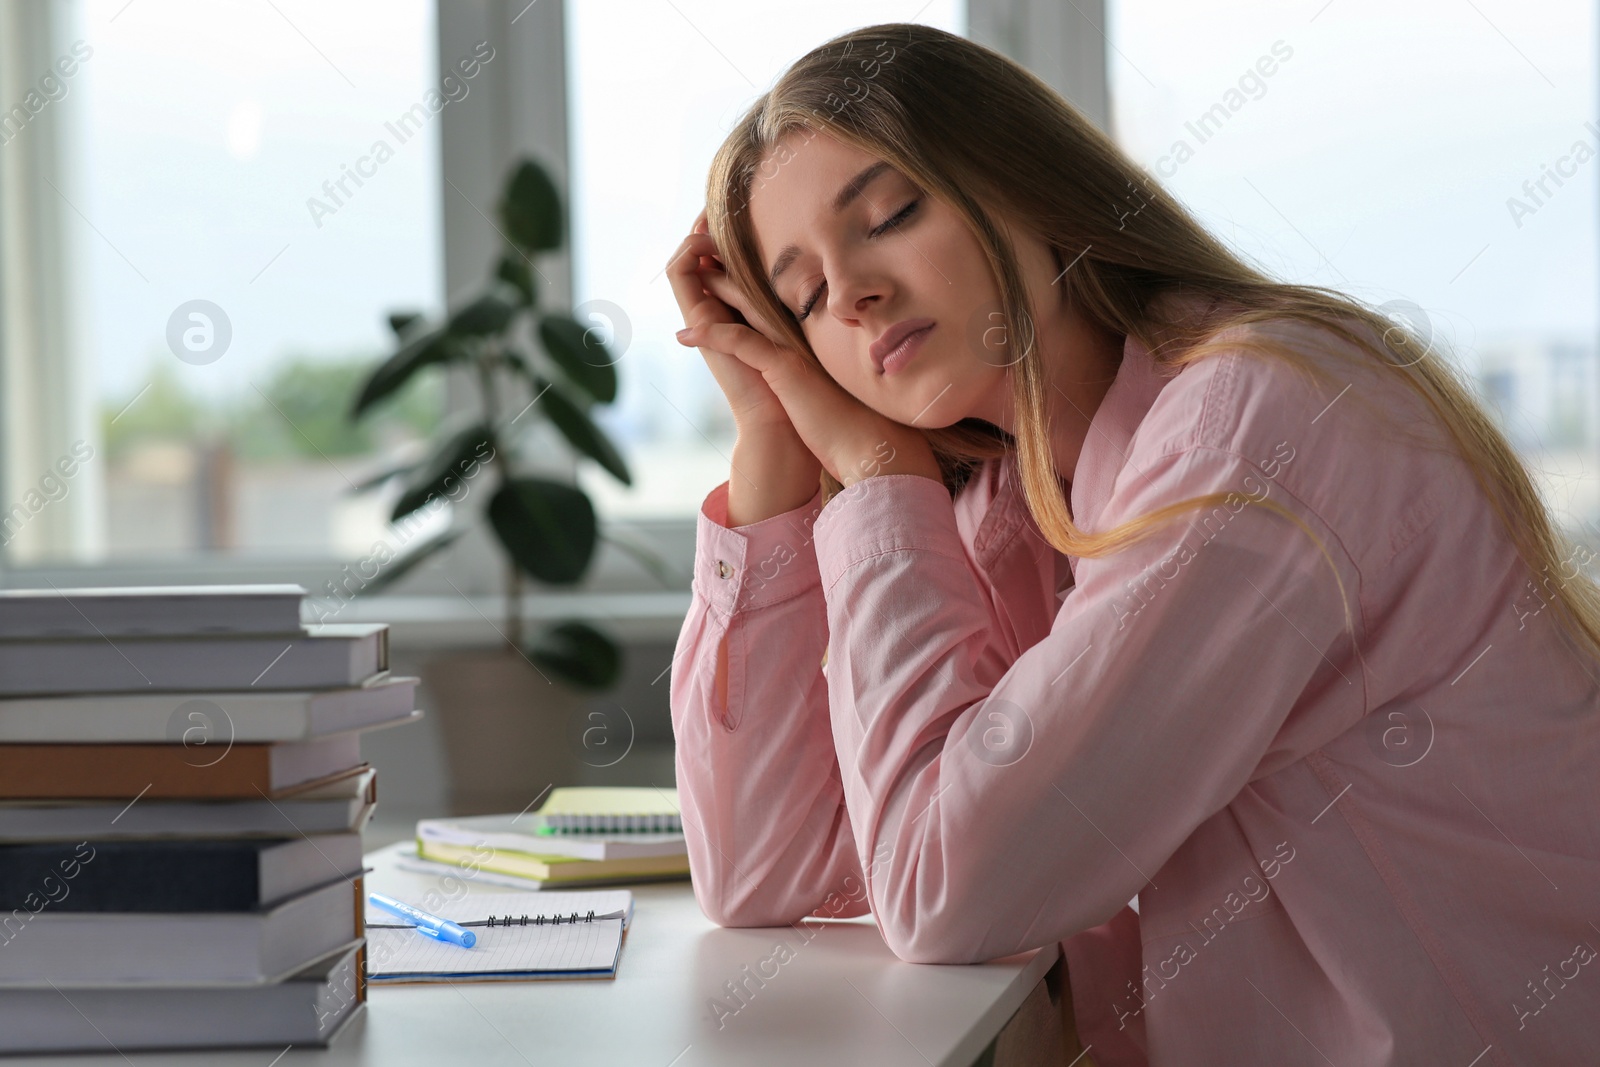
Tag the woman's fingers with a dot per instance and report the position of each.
(781, 368)
(746, 344)
(722, 287)
(702, 287)
(683, 273)
(831, 423)
(702, 226)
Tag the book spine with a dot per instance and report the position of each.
(129, 877)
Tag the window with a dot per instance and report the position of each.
(208, 153)
(1435, 153)
(655, 86)
(247, 190)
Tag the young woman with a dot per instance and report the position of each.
(1075, 582)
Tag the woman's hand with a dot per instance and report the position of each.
(772, 470)
(702, 288)
(850, 439)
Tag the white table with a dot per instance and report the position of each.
(842, 998)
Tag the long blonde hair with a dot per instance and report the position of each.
(986, 136)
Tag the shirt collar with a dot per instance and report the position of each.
(1105, 449)
(1139, 380)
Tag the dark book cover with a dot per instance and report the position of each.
(139, 876)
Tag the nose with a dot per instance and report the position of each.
(852, 290)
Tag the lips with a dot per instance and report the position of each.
(890, 339)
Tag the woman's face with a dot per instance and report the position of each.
(864, 257)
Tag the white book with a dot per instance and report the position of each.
(214, 717)
(343, 804)
(150, 610)
(310, 1007)
(516, 833)
(38, 949)
(318, 657)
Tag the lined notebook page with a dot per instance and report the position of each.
(501, 951)
(567, 949)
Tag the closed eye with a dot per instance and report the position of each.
(877, 231)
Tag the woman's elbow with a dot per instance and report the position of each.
(951, 914)
(924, 932)
(727, 905)
(930, 941)
(925, 937)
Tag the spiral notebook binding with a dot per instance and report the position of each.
(613, 823)
(519, 920)
(534, 920)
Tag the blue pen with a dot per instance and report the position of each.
(428, 925)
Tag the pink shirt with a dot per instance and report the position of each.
(1357, 858)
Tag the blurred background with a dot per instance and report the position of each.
(271, 160)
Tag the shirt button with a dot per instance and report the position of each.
(723, 570)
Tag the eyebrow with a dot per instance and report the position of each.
(841, 200)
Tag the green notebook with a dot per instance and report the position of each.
(588, 809)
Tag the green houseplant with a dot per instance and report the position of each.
(548, 529)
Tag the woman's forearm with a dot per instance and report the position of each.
(758, 781)
(773, 472)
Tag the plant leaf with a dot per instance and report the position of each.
(517, 360)
(580, 654)
(516, 271)
(580, 431)
(547, 527)
(488, 314)
(530, 209)
(400, 566)
(455, 460)
(581, 356)
(399, 320)
(427, 346)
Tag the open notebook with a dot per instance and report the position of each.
(521, 936)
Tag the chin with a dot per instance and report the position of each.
(934, 406)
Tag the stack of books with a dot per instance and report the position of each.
(580, 837)
(181, 800)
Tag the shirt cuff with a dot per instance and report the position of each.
(743, 567)
(882, 514)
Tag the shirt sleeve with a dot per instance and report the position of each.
(1012, 812)
(758, 783)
